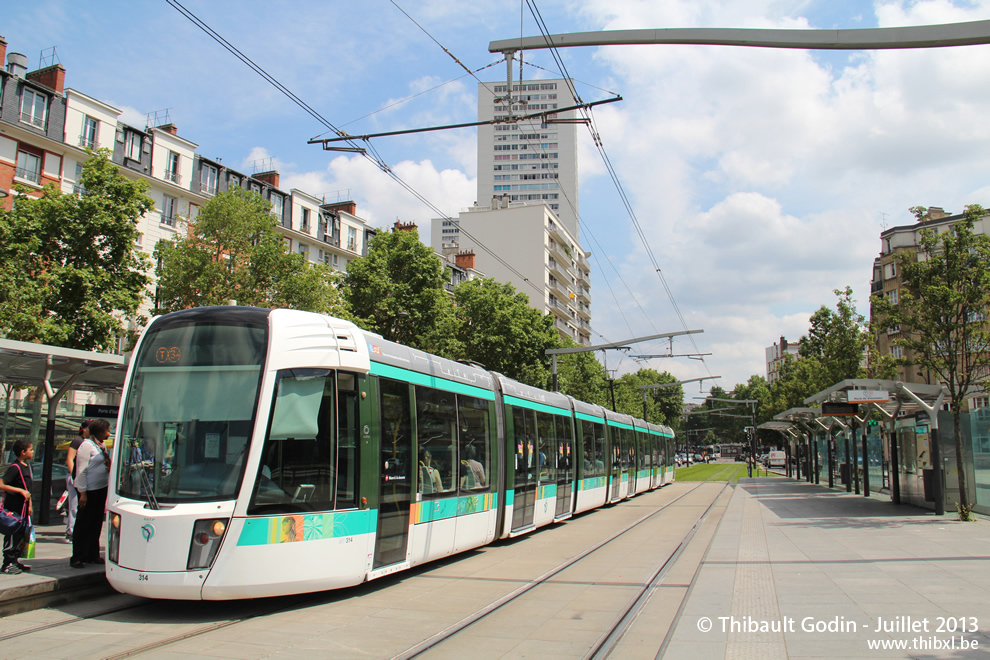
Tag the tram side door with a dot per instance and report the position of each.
(525, 468)
(395, 476)
(565, 465)
(615, 447)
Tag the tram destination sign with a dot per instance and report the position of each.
(839, 409)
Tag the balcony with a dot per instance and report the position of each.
(876, 287)
(584, 311)
(29, 118)
(557, 269)
(87, 142)
(557, 252)
(584, 295)
(174, 177)
(583, 276)
(559, 309)
(32, 175)
(558, 289)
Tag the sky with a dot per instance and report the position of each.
(761, 178)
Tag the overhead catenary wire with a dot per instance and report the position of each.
(596, 137)
(373, 156)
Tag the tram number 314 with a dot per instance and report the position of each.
(142, 577)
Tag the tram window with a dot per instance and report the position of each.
(436, 425)
(546, 442)
(348, 425)
(296, 469)
(396, 430)
(475, 442)
(562, 448)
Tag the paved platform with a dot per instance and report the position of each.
(786, 569)
(800, 571)
(51, 580)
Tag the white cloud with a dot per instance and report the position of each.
(380, 199)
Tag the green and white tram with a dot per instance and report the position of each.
(269, 452)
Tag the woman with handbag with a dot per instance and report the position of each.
(16, 488)
(92, 476)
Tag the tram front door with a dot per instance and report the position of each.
(395, 480)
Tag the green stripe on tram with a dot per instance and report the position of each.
(623, 425)
(533, 405)
(590, 418)
(417, 378)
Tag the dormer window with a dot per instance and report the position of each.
(34, 108)
(90, 130)
(208, 182)
(172, 167)
(133, 148)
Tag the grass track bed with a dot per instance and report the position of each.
(717, 472)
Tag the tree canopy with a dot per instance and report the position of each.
(233, 251)
(398, 290)
(497, 327)
(71, 267)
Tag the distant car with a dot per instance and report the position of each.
(698, 458)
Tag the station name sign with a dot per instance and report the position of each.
(867, 396)
(839, 409)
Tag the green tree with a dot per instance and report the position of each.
(942, 316)
(663, 405)
(837, 339)
(582, 376)
(71, 269)
(233, 251)
(398, 290)
(497, 327)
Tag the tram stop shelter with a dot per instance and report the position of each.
(56, 371)
(891, 440)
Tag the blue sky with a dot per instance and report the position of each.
(761, 178)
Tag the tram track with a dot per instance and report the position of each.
(260, 609)
(609, 639)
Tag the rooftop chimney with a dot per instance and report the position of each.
(3, 49)
(936, 213)
(52, 77)
(172, 129)
(465, 259)
(346, 207)
(271, 178)
(17, 64)
(404, 226)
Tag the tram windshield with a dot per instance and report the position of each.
(189, 411)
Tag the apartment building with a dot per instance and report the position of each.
(32, 121)
(887, 281)
(526, 246)
(533, 160)
(775, 356)
(46, 132)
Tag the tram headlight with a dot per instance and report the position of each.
(206, 538)
(113, 538)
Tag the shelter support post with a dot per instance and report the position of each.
(936, 452)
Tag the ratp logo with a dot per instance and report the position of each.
(148, 531)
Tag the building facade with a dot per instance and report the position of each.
(887, 282)
(532, 160)
(775, 356)
(526, 246)
(47, 132)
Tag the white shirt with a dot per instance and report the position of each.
(91, 470)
